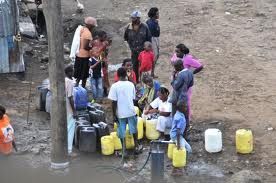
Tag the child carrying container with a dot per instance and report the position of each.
(177, 132)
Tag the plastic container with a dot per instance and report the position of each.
(107, 145)
(87, 139)
(117, 141)
(102, 130)
(80, 98)
(213, 140)
(48, 102)
(244, 141)
(170, 150)
(151, 132)
(137, 110)
(140, 128)
(179, 157)
(129, 140)
(79, 125)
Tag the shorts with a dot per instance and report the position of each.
(132, 126)
(81, 68)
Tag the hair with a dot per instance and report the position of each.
(181, 106)
(152, 12)
(147, 43)
(2, 109)
(164, 91)
(183, 48)
(178, 63)
(122, 72)
(68, 68)
(125, 61)
(100, 33)
(147, 78)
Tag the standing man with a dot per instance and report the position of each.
(136, 34)
(70, 108)
(81, 67)
(122, 94)
(154, 28)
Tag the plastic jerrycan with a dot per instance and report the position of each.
(179, 157)
(170, 150)
(129, 140)
(213, 140)
(140, 128)
(244, 141)
(151, 132)
(116, 141)
(107, 145)
(88, 141)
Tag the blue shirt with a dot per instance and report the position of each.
(179, 122)
(153, 27)
(181, 85)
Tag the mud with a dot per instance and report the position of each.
(236, 42)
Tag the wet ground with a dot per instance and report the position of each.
(236, 42)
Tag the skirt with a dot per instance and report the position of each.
(81, 68)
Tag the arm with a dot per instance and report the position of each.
(148, 38)
(126, 34)
(178, 82)
(197, 70)
(178, 138)
(71, 100)
(114, 109)
(165, 114)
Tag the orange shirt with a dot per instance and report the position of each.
(85, 34)
(6, 135)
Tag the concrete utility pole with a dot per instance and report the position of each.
(53, 16)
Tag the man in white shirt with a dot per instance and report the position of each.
(70, 108)
(122, 94)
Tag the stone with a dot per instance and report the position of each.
(27, 28)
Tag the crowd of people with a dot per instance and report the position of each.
(135, 82)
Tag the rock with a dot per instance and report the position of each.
(66, 49)
(29, 52)
(245, 176)
(270, 129)
(27, 28)
(43, 67)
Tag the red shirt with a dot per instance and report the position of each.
(146, 59)
(133, 75)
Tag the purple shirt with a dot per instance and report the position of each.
(188, 61)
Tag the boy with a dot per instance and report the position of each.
(146, 59)
(96, 78)
(122, 94)
(131, 76)
(70, 108)
(178, 128)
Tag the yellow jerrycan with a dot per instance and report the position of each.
(244, 141)
(151, 132)
(137, 110)
(129, 140)
(140, 127)
(170, 150)
(107, 144)
(179, 157)
(116, 141)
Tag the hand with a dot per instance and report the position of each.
(146, 112)
(128, 73)
(115, 119)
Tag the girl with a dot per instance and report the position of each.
(163, 107)
(182, 52)
(146, 59)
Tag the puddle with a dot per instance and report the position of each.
(201, 168)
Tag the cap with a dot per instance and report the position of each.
(136, 14)
(90, 21)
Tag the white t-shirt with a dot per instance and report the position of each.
(124, 93)
(69, 88)
(161, 106)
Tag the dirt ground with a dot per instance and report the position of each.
(236, 42)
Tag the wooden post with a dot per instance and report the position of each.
(59, 150)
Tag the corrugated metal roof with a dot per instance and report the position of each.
(4, 56)
(6, 18)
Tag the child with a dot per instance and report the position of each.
(6, 133)
(146, 59)
(178, 128)
(161, 106)
(99, 52)
(131, 76)
(70, 108)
